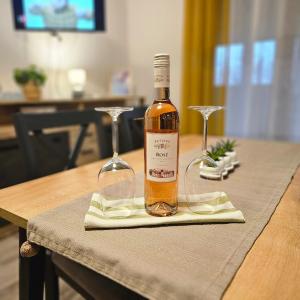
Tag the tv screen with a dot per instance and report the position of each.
(59, 15)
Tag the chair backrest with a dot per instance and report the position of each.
(51, 153)
(132, 129)
(28, 124)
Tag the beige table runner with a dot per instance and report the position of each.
(178, 262)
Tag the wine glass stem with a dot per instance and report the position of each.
(204, 144)
(115, 136)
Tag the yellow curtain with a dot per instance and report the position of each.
(206, 24)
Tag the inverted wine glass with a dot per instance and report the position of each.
(203, 173)
(116, 179)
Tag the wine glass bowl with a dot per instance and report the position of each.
(202, 173)
(116, 179)
(201, 187)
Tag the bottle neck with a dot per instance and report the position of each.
(161, 77)
(162, 93)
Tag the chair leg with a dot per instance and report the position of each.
(51, 279)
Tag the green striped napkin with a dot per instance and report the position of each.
(122, 213)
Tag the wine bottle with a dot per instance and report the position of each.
(161, 145)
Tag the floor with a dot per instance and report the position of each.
(9, 268)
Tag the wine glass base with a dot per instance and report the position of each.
(161, 209)
(206, 111)
(210, 176)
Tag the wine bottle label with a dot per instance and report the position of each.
(161, 156)
(161, 77)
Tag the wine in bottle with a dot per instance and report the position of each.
(161, 145)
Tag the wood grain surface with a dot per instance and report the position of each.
(271, 269)
(21, 202)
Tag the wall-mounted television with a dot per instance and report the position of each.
(59, 15)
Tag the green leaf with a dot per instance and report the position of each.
(32, 73)
(228, 145)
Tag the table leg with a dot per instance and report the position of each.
(51, 279)
(31, 272)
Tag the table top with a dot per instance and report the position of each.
(270, 270)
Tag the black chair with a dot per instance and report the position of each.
(132, 129)
(88, 283)
(29, 125)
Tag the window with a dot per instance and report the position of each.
(228, 64)
(263, 62)
(220, 65)
(235, 64)
(228, 68)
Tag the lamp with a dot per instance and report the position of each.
(77, 79)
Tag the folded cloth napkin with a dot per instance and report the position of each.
(131, 213)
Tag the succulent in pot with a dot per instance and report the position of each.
(211, 171)
(30, 79)
(229, 146)
(226, 158)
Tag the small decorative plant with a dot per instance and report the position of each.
(30, 79)
(228, 145)
(30, 75)
(214, 153)
(220, 149)
(225, 158)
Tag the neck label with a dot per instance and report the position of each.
(161, 77)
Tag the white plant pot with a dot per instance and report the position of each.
(234, 158)
(227, 163)
(213, 172)
(220, 164)
(224, 171)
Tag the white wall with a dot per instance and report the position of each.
(154, 27)
(99, 53)
(136, 30)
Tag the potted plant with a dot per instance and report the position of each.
(213, 171)
(226, 158)
(30, 79)
(229, 146)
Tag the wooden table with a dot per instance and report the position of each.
(271, 269)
